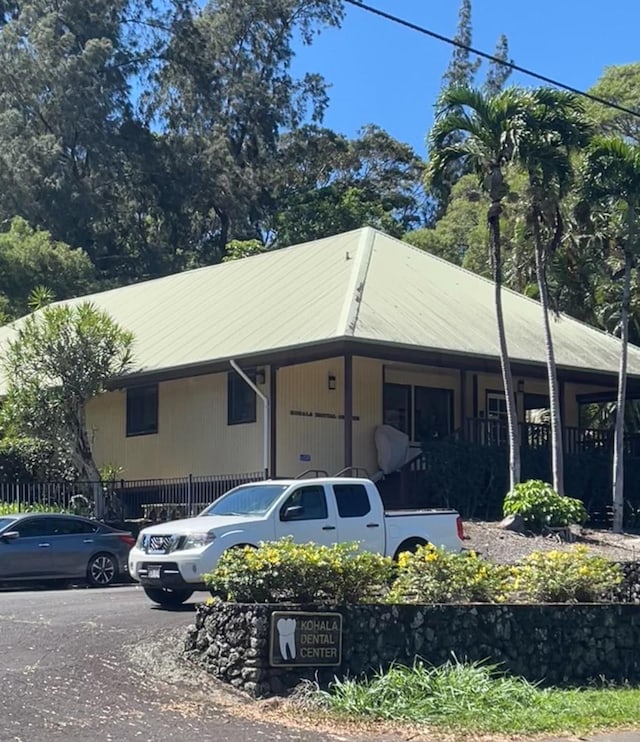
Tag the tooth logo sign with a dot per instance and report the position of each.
(287, 637)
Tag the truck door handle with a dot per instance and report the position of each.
(328, 528)
(87, 541)
(373, 525)
(44, 546)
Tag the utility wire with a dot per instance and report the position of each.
(491, 58)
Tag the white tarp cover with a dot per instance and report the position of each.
(392, 446)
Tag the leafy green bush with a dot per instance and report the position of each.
(14, 508)
(564, 577)
(432, 575)
(540, 505)
(282, 571)
(25, 459)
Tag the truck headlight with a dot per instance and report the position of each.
(198, 540)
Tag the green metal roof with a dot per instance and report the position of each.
(362, 284)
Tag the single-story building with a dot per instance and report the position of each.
(291, 360)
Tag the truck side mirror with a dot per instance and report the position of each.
(10, 536)
(294, 512)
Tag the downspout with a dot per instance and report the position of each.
(266, 417)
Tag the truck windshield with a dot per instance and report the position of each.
(253, 499)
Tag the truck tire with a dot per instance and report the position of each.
(167, 598)
(411, 544)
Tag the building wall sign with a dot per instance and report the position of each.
(322, 415)
(300, 639)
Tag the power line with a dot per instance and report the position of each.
(490, 57)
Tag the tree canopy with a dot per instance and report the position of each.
(63, 356)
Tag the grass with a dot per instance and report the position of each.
(476, 698)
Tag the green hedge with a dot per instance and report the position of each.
(475, 479)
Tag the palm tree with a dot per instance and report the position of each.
(611, 177)
(482, 133)
(555, 128)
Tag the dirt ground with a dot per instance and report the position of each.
(494, 543)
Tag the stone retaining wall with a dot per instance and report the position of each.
(556, 644)
(629, 590)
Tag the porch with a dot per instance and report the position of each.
(576, 440)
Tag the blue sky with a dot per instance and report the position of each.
(390, 76)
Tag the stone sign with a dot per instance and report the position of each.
(305, 639)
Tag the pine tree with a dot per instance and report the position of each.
(498, 74)
(462, 68)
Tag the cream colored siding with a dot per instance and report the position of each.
(193, 436)
(367, 404)
(303, 401)
(303, 391)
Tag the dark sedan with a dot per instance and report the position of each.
(40, 547)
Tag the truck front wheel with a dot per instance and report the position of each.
(168, 598)
(411, 544)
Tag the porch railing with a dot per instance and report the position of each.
(490, 432)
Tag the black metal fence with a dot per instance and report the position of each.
(150, 499)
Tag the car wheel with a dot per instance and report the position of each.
(164, 596)
(102, 570)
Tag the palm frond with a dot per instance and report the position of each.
(611, 169)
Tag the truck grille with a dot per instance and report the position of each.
(160, 544)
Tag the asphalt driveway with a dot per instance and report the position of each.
(85, 665)
(89, 665)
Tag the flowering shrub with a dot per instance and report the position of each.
(282, 571)
(432, 575)
(540, 505)
(564, 577)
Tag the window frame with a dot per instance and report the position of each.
(342, 487)
(450, 395)
(233, 379)
(286, 505)
(132, 430)
(412, 390)
(406, 389)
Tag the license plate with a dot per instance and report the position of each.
(153, 573)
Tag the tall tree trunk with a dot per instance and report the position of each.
(507, 377)
(557, 448)
(82, 457)
(618, 440)
(225, 226)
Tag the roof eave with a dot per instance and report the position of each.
(338, 346)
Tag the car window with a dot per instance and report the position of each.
(70, 526)
(5, 523)
(352, 500)
(311, 500)
(35, 527)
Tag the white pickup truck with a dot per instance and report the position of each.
(169, 559)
